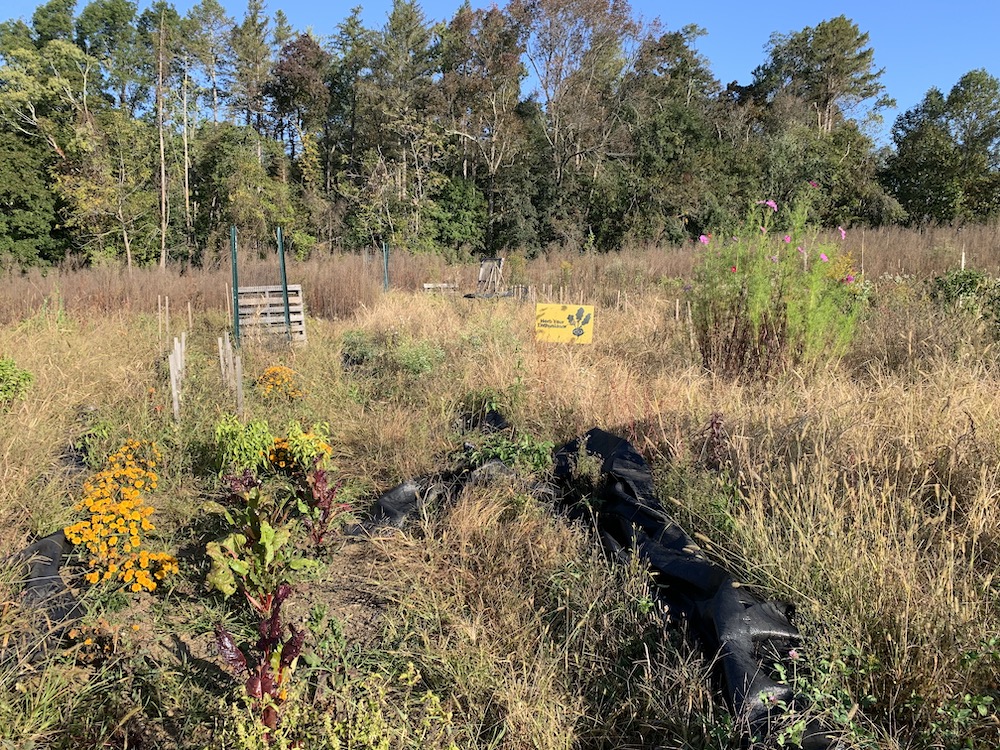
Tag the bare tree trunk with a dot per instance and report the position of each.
(163, 159)
(188, 225)
(125, 239)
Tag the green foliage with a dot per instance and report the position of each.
(256, 557)
(971, 292)
(960, 288)
(524, 452)
(767, 301)
(28, 222)
(308, 448)
(242, 446)
(945, 164)
(14, 382)
(389, 353)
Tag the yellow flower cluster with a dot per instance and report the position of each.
(279, 455)
(279, 382)
(298, 452)
(118, 519)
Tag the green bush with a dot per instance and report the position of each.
(14, 381)
(768, 300)
(970, 291)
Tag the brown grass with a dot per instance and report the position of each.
(338, 285)
(866, 493)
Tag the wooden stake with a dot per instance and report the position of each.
(230, 364)
(174, 388)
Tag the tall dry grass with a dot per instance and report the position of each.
(866, 494)
(337, 285)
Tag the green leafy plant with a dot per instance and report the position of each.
(960, 288)
(765, 301)
(14, 382)
(255, 557)
(969, 291)
(310, 448)
(524, 452)
(243, 446)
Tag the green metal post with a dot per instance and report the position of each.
(385, 266)
(284, 283)
(236, 285)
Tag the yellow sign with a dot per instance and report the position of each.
(564, 324)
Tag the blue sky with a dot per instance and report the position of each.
(927, 44)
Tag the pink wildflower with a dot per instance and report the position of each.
(822, 257)
(733, 269)
(788, 238)
(769, 203)
(703, 239)
(849, 279)
(843, 234)
(813, 183)
(799, 248)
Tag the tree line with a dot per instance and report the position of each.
(141, 136)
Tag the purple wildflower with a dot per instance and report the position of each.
(703, 239)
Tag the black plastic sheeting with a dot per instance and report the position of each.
(745, 635)
(46, 595)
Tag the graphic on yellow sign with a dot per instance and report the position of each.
(564, 324)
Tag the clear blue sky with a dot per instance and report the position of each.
(919, 43)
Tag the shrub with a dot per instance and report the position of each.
(14, 381)
(243, 446)
(970, 291)
(765, 301)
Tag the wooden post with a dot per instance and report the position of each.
(175, 386)
(230, 363)
(167, 315)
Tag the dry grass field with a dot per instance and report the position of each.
(866, 493)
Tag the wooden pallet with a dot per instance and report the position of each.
(263, 308)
